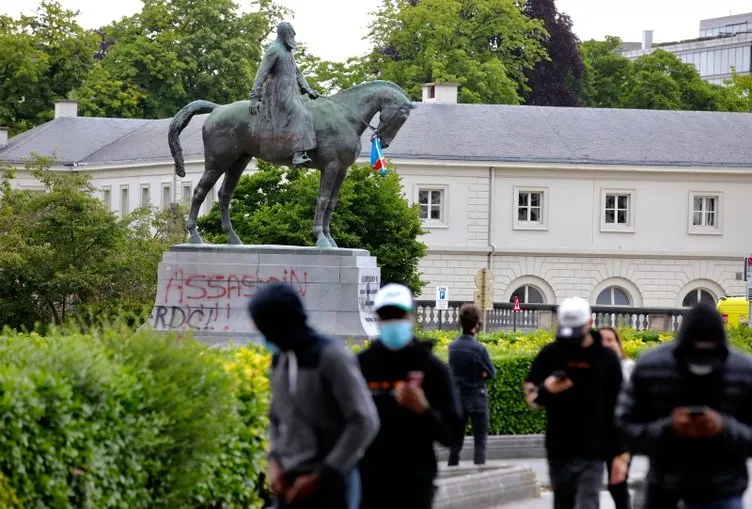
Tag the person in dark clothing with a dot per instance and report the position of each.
(688, 407)
(471, 367)
(415, 397)
(577, 380)
(322, 417)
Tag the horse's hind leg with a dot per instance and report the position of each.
(225, 194)
(208, 179)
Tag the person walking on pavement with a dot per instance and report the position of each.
(415, 397)
(322, 417)
(471, 367)
(577, 380)
(618, 484)
(688, 407)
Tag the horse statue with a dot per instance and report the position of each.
(233, 137)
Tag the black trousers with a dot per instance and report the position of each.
(333, 495)
(619, 492)
(475, 410)
(391, 493)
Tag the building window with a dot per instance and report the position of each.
(145, 195)
(124, 205)
(618, 211)
(431, 202)
(107, 197)
(613, 296)
(432, 92)
(166, 196)
(696, 296)
(187, 194)
(705, 213)
(530, 208)
(528, 295)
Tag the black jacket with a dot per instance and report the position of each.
(404, 446)
(580, 420)
(695, 470)
(468, 360)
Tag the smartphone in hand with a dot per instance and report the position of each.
(695, 411)
(560, 374)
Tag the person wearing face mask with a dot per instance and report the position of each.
(322, 416)
(577, 380)
(688, 407)
(417, 404)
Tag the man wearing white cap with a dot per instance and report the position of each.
(577, 380)
(417, 405)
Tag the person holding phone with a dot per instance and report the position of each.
(618, 485)
(688, 407)
(416, 400)
(577, 380)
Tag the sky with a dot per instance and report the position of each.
(671, 20)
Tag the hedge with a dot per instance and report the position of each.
(130, 420)
(123, 419)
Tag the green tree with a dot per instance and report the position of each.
(486, 46)
(64, 256)
(42, 57)
(740, 89)
(276, 206)
(176, 51)
(605, 73)
(331, 77)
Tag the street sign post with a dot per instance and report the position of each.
(484, 292)
(442, 301)
(515, 309)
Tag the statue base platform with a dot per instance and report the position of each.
(205, 289)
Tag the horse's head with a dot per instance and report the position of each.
(394, 114)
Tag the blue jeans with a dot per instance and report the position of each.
(732, 503)
(345, 494)
(353, 489)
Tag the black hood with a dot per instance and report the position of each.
(278, 314)
(701, 323)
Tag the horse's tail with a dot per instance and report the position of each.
(179, 122)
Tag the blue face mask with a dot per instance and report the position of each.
(396, 334)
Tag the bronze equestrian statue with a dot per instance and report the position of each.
(283, 127)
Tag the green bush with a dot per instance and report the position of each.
(127, 420)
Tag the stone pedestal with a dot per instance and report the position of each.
(206, 289)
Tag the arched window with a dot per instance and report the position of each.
(528, 295)
(613, 296)
(696, 296)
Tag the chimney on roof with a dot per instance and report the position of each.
(66, 108)
(3, 137)
(647, 39)
(440, 93)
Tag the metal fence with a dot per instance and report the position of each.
(542, 316)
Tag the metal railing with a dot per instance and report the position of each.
(537, 316)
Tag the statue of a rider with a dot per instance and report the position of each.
(279, 86)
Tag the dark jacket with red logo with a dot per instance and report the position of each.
(404, 447)
(580, 420)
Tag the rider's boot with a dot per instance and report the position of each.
(301, 159)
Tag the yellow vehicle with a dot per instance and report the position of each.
(734, 310)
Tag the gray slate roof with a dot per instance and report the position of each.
(492, 133)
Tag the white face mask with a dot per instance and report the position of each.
(699, 369)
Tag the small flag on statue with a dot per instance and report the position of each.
(378, 161)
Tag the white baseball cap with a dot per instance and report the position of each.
(573, 315)
(394, 295)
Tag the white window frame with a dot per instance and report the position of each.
(716, 229)
(542, 223)
(147, 188)
(168, 186)
(631, 202)
(125, 208)
(442, 222)
(611, 289)
(107, 197)
(183, 185)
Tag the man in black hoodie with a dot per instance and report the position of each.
(417, 406)
(322, 417)
(577, 380)
(688, 407)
